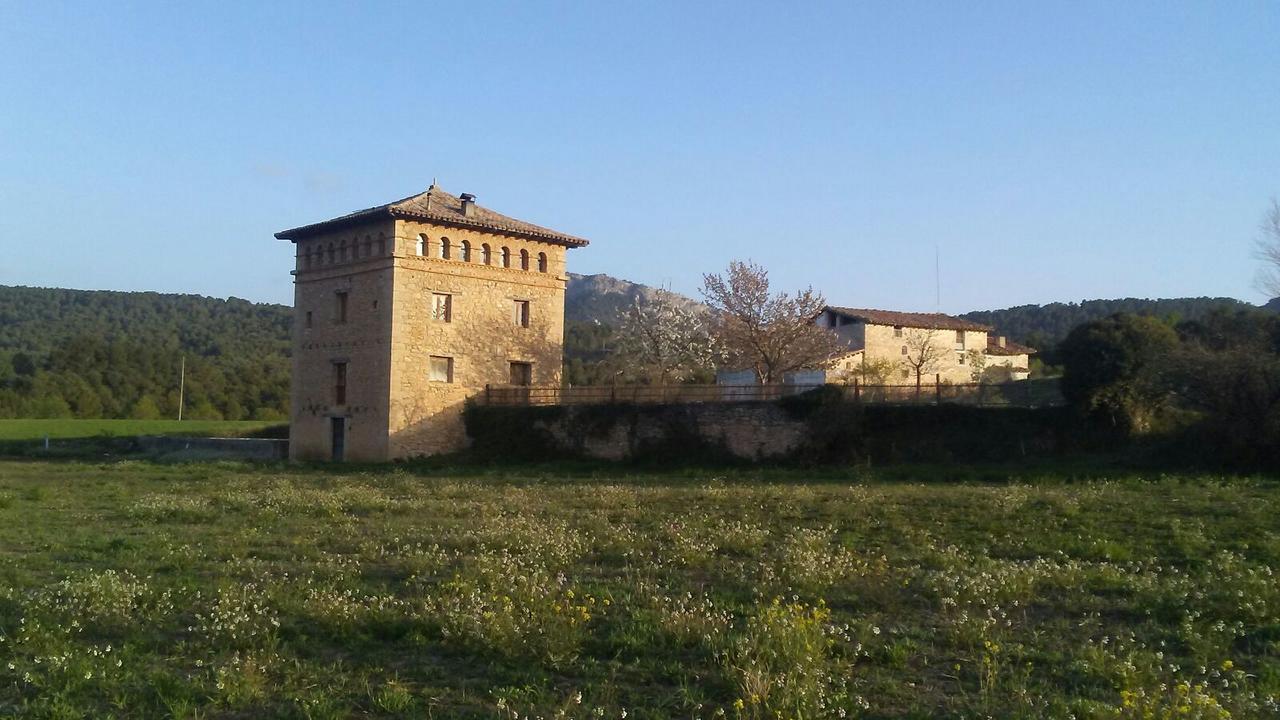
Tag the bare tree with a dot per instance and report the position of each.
(773, 334)
(1269, 251)
(661, 339)
(924, 353)
(977, 365)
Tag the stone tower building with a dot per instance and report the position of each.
(404, 310)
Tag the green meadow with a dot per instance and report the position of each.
(138, 590)
(64, 429)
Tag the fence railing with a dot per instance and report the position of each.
(1022, 393)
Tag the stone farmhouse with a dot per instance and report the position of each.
(403, 310)
(888, 342)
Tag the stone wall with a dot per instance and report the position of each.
(482, 335)
(393, 408)
(362, 342)
(881, 342)
(815, 427)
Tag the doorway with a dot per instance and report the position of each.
(338, 428)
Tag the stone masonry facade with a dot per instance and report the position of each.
(894, 338)
(405, 310)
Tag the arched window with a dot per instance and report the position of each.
(420, 246)
(382, 246)
(342, 251)
(464, 251)
(485, 256)
(445, 250)
(542, 262)
(368, 247)
(331, 255)
(506, 257)
(524, 259)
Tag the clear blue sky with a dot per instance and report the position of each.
(1050, 151)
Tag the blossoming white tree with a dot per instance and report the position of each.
(661, 339)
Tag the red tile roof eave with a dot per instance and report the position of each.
(356, 218)
(566, 240)
(894, 318)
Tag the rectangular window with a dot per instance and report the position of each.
(442, 307)
(340, 383)
(308, 318)
(897, 331)
(521, 373)
(960, 358)
(520, 313)
(441, 369)
(959, 339)
(342, 308)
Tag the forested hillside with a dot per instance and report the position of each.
(77, 353)
(1043, 326)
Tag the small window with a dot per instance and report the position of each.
(308, 318)
(520, 313)
(906, 373)
(521, 373)
(524, 259)
(420, 246)
(464, 251)
(542, 262)
(441, 369)
(486, 256)
(342, 251)
(505, 257)
(445, 250)
(897, 331)
(382, 246)
(340, 383)
(904, 349)
(331, 254)
(960, 358)
(442, 307)
(340, 316)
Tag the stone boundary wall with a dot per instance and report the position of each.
(150, 447)
(214, 448)
(795, 430)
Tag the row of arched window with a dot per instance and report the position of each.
(317, 254)
(504, 257)
(313, 255)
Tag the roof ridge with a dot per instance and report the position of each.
(439, 205)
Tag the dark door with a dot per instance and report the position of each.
(339, 428)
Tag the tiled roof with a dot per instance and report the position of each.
(906, 319)
(1010, 347)
(436, 205)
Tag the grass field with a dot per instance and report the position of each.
(139, 590)
(27, 429)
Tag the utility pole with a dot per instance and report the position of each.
(182, 385)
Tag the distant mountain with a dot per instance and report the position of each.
(600, 298)
(1050, 323)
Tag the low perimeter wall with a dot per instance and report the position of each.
(214, 448)
(800, 429)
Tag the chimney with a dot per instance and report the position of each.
(468, 205)
(1000, 341)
